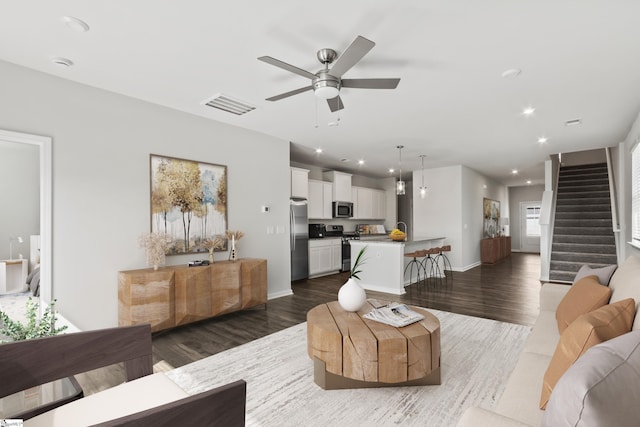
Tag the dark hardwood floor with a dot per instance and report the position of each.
(507, 291)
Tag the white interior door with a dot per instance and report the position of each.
(530, 227)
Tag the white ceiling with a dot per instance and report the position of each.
(579, 59)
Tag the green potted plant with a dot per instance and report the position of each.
(351, 295)
(14, 330)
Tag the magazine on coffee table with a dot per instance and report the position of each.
(394, 314)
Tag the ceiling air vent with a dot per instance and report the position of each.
(228, 104)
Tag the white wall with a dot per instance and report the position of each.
(101, 146)
(517, 195)
(19, 195)
(453, 208)
(475, 188)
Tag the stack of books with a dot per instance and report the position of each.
(394, 314)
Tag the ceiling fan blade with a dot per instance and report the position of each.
(352, 54)
(290, 93)
(335, 104)
(288, 67)
(370, 83)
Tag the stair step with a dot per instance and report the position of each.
(585, 166)
(597, 231)
(583, 248)
(588, 222)
(586, 179)
(583, 239)
(584, 195)
(582, 258)
(584, 214)
(562, 276)
(580, 208)
(574, 266)
(604, 176)
(575, 188)
(582, 201)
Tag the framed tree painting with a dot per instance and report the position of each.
(491, 217)
(188, 202)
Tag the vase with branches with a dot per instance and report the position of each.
(351, 295)
(155, 246)
(233, 236)
(212, 244)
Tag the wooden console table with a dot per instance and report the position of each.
(495, 249)
(173, 296)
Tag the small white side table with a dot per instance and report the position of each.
(13, 275)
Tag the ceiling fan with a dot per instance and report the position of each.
(326, 83)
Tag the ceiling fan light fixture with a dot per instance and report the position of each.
(326, 88)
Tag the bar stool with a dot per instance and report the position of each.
(445, 259)
(430, 264)
(414, 262)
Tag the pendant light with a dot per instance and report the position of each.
(423, 188)
(400, 184)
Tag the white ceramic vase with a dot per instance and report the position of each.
(351, 296)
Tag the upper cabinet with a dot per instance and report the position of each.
(341, 183)
(368, 203)
(320, 194)
(299, 183)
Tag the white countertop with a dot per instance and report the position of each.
(386, 240)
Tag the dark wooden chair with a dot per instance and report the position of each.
(26, 364)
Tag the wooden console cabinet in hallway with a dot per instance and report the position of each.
(495, 249)
(177, 295)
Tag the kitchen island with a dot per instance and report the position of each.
(384, 265)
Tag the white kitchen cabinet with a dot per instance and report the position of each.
(341, 184)
(379, 204)
(369, 203)
(320, 193)
(325, 256)
(299, 183)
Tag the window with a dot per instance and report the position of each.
(635, 195)
(533, 221)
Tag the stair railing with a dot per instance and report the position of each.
(548, 214)
(614, 204)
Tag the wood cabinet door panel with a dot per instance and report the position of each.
(193, 294)
(225, 287)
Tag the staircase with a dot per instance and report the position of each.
(583, 231)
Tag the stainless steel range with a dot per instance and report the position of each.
(346, 249)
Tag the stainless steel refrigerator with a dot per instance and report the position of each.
(299, 225)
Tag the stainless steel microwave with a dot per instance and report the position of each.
(342, 209)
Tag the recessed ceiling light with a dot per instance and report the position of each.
(528, 111)
(542, 140)
(318, 150)
(528, 181)
(514, 171)
(75, 24)
(391, 170)
(511, 73)
(64, 62)
(361, 162)
(573, 122)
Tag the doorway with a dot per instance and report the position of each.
(530, 227)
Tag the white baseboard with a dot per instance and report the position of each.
(279, 294)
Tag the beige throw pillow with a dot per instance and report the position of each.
(586, 295)
(586, 331)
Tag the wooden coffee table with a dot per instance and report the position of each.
(352, 352)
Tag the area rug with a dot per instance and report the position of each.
(477, 358)
(15, 305)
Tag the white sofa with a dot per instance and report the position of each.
(519, 404)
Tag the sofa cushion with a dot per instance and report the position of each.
(624, 283)
(544, 336)
(601, 389)
(586, 331)
(604, 273)
(124, 399)
(522, 391)
(587, 294)
(551, 294)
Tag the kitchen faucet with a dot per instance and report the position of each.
(405, 226)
